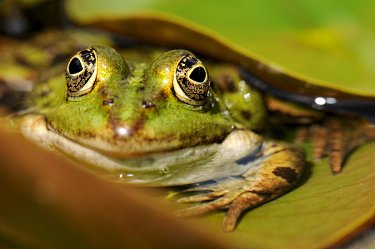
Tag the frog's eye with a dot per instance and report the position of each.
(191, 83)
(81, 73)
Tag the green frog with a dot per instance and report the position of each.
(165, 118)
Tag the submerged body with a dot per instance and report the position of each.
(161, 118)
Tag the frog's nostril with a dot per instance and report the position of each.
(75, 66)
(198, 74)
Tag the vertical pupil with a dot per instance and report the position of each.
(198, 74)
(75, 66)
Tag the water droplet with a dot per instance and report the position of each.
(247, 97)
(147, 104)
(225, 113)
(320, 101)
(124, 177)
(164, 170)
(242, 85)
(228, 103)
(123, 131)
(323, 101)
(331, 101)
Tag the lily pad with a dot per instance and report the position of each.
(324, 211)
(326, 40)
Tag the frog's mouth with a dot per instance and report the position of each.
(177, 167)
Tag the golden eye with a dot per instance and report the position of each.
(81, 73)
(191, 83)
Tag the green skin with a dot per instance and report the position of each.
(153, 129)
(132, 109)
(133, 125)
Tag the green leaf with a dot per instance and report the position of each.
(325, 40)
(325, 210)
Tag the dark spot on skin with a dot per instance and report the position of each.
(45, 93)
(229, 84)
(87, 134)
(106, 95)
(246, 114)
(139, 124)
(141, 88)
(108, 102)
(163, 94)
(147, 104)
(103, 91)
(288, 174)
(265, 194)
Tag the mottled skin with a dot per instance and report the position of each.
(140, 102)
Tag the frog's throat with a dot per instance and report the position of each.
(178, 167)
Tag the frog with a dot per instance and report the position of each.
(162, 118)
(157, 121)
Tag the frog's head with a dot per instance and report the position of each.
(130, 109)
